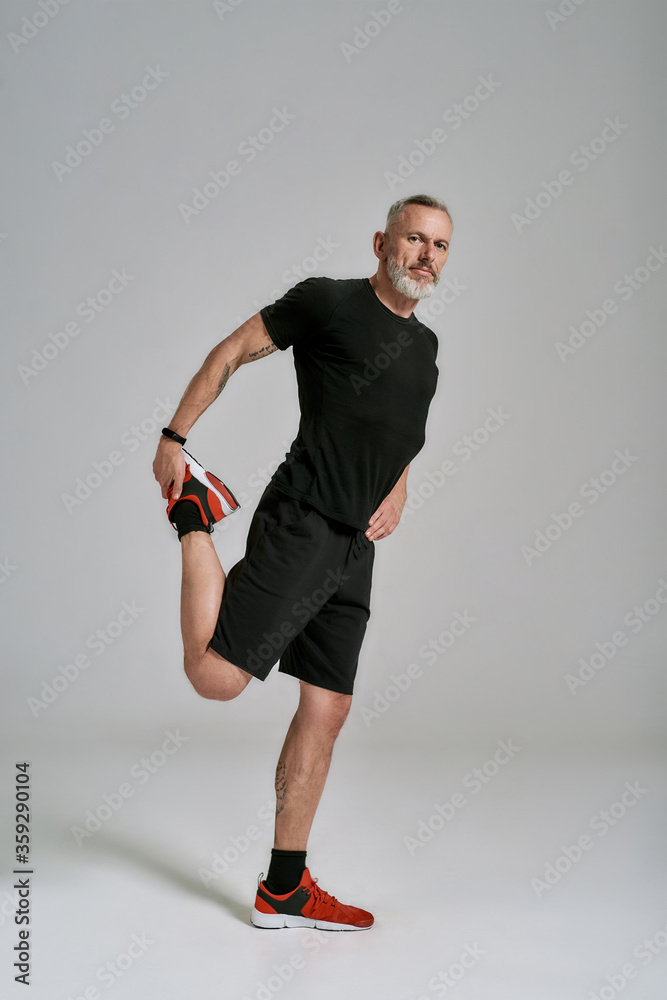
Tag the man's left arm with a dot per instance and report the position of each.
(388, 514)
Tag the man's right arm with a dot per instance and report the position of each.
(249, 342)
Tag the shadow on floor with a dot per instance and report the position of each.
(147, 859)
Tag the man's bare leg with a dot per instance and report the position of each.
(304, 763)
(202, 587)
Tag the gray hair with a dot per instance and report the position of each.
(415, 199)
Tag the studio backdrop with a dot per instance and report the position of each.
(171, 167)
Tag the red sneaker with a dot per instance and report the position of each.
(214, 499)
(307, 906)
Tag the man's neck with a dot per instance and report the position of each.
(393, 300)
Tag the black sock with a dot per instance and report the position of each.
(186, 515)
(285, 871)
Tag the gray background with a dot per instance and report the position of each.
(327, 177)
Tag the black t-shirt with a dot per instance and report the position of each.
(366, 378)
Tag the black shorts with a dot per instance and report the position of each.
(300, 595)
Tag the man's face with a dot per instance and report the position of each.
(417, 248)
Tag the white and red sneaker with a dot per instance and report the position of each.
(307, 906)
(214, 499)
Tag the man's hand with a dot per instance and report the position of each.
(169, 467)
(388, 514)
(386, 517)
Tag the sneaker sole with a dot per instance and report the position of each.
(275, 920)
(201, 475)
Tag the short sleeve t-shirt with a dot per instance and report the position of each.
(365, 380)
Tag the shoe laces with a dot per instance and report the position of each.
(321, 897)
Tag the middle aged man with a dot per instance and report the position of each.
(366, 375)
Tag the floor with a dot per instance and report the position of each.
(153, 898)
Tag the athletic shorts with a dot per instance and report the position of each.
(300, 595)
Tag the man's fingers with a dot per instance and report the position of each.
(172, 487)
(176, 480)
(377, 529)
(178, 487)
(383, 521)
(386, 528)
(378, 516)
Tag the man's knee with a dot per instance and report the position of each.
(213, 677)
(341, 706)
(337, 718)
(329, 712)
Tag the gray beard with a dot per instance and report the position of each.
(406, 285)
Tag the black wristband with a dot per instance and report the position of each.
(168, 433)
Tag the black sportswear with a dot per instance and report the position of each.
(366, 378)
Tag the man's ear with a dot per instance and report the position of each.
(380, 245)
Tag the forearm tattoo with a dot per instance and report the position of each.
(223, 380)
(281, 786)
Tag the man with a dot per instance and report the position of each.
(366, 374)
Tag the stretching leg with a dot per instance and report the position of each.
(202, 586)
